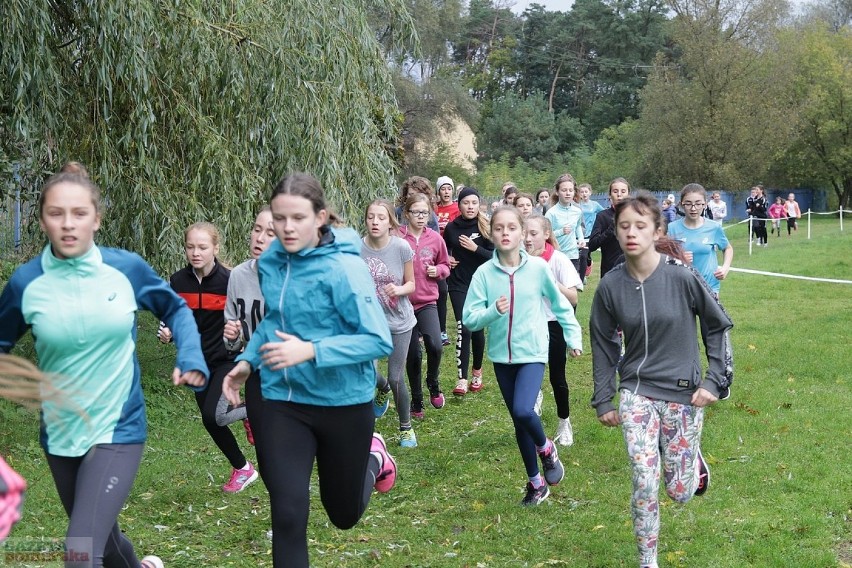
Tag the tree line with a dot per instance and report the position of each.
(187, 110)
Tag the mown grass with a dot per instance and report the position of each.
(781, 492)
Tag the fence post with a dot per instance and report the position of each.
(809, 223)
(750, 233)
(841, 218)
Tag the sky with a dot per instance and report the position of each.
(550, 5)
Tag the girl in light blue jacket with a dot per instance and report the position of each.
(314, 349)
(505, 296)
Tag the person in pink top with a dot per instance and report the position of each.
(431, 266)
(776, 212)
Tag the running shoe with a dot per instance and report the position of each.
(240, 479)
(387, 474)
(437, 400)
(381, 402)
(417, 409)
(553, 470)
(564, 433)
(538, 400)
(535, 496)
(476, 380)
(152, 561)
(703, 475)
(445, 339)
(461, 387)
(407, 438)
(249, 433)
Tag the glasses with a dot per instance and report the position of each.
(688, 205)
(418, 213)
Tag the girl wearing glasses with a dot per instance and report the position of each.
(702, 237)
(431, 267)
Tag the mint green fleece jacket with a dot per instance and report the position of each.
(520, 335)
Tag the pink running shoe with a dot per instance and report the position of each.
(249, 433)
(476, 380)
(437, 401)
(240, 479)
(387, 475)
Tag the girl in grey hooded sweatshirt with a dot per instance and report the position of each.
(654, 298)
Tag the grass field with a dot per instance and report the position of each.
(781, 492)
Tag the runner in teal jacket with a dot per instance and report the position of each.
(81, 301)
(505, 295)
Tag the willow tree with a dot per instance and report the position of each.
(191, 110)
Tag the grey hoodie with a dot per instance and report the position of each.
(661, 358)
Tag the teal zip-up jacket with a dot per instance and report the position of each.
(324, 295)
(520, 335)
(82, 312)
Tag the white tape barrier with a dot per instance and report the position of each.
(805, 214)
(793, 276)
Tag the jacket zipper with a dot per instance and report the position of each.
(511, 312)
(283, 326)
(645, 328)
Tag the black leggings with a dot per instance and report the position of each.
(428, 327)
(93, 489)
(442, 304)
(207, 401)
(759, 229)
(557, 358)
(254, 410)
(465, 337)
(339, 438)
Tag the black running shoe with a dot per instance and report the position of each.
(535, 496)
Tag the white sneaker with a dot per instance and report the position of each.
(538, 400)
(152, 561)
(564, 433)
(461, 387)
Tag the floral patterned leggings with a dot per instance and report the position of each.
(654, 429)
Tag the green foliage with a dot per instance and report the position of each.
(188, 111)
(522, 128)
(820, 89)
(440, 161)
(590, 62)
(614, 156)
(711, 115)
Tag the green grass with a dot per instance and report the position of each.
(781, 492)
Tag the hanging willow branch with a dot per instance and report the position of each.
(188, 111)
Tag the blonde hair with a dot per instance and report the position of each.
(546, 226)
(394, 222)
(23, 383)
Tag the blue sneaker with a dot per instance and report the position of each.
(381, 402)
(407, 439)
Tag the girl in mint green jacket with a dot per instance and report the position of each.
(505, 295)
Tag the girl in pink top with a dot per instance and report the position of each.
(776, 212)
(431, 265)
